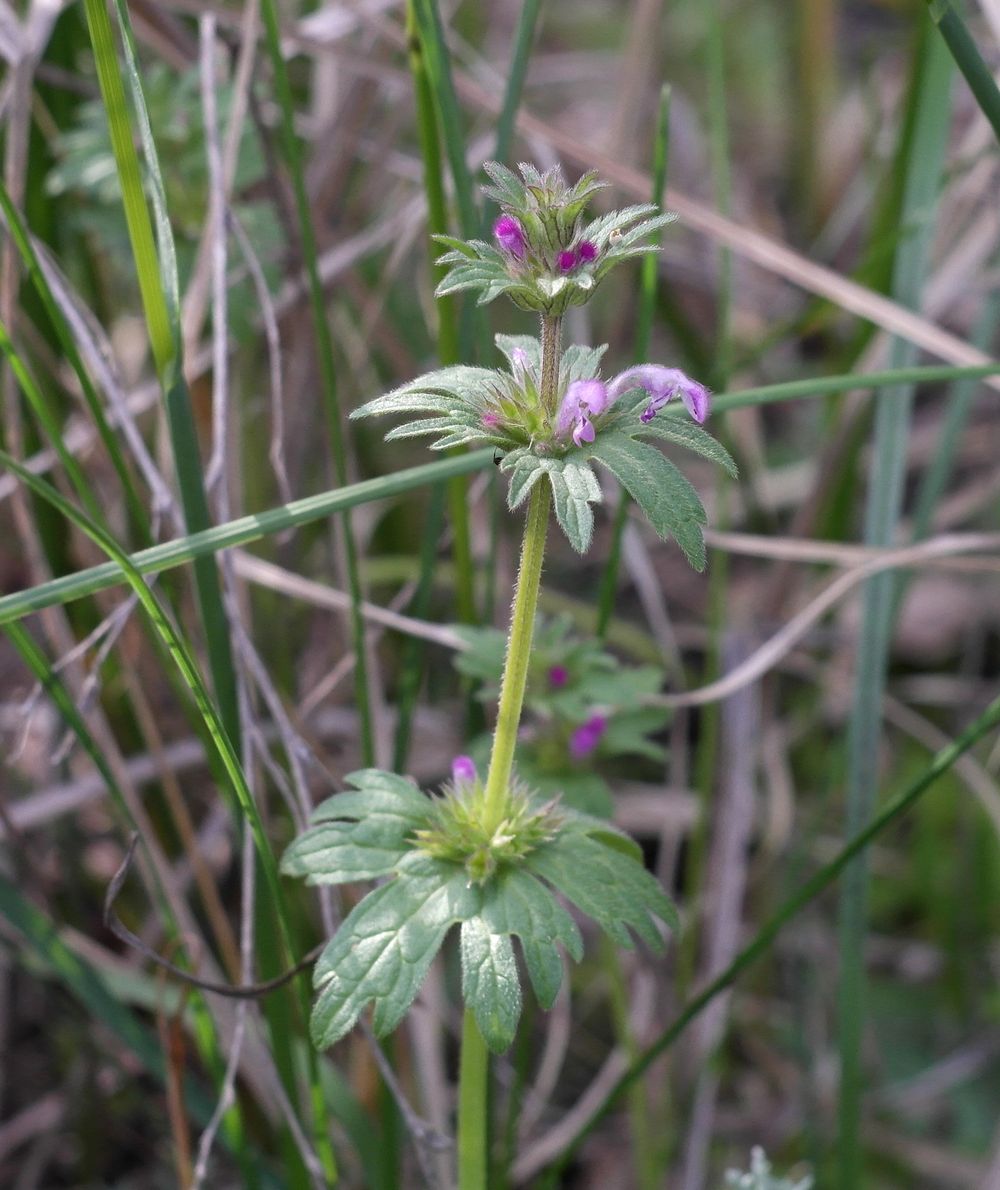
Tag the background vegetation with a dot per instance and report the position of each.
(218, 245)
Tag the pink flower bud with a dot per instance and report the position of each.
(510, 236)
(558, 676)
(587, 251)
(566, 261)
(463, 770)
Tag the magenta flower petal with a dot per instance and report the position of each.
(587, 251)
(566, 261)
(584, 431)
(509, 235)
(587, 736)
(463, 770)
(558, 676)
(582, 400)
(662, 385)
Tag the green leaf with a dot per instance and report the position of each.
(434, 392)
(693, 438)
(627, 733)
(609, 886)
(580, 363)
(490, 983)
(378, 792)
(385, 945)
(574, 489)
(342, 852)
(670, 503)
(515, 902)
(526, 469)
(359, 835)
(531, 347)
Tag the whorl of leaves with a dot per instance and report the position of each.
(465, 405)
(384, 947)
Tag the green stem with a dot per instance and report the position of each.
(474, 1064)
(515, 674)
(473, 1089)
(551, 338)
(522, 622)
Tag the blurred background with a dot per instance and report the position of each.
(835, 182)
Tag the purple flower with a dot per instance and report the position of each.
(587, 736)
(490, 420)
(463, 770)
(587, 251)
(583, 400)
(510, 236)
(662, 385)
(566, 261)
(558, 676)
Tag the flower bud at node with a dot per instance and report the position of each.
(510, 236)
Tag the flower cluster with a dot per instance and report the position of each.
(456, 829)
(589, 419)
(584, 400)
(443, 867)
(546, 257)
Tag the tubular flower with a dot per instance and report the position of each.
(510, 236)
(662, 385)
(583, 400)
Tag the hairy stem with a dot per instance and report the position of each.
(522, 622)
(473, 1087)
(551, 338)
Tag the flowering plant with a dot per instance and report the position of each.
(491, 855)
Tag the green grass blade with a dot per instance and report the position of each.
(447, 307)
(157, 276)
(140, 229)
(921, 186)
(648, 277)
(324, 352)
(524, 38)
(49, 422)
(276, 908)
(26, 248)
(968, 59)
(238, 532)
(438, 61)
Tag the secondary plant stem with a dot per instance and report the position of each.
(473, 1090)
(522, 622)
(473, 1100)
